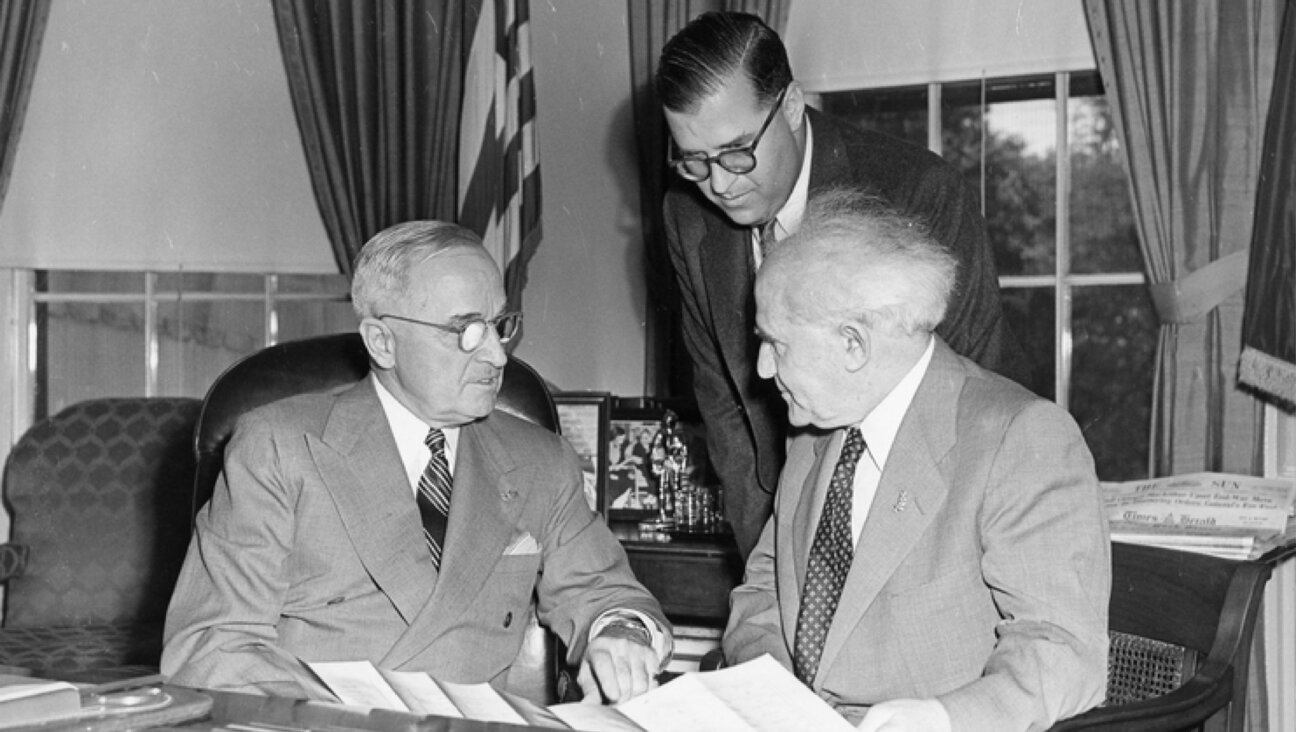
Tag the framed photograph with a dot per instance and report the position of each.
(583, 419)
(632, 492)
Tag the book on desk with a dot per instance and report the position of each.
(757, 695)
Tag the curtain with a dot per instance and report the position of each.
(1269, 321)
(651, 23)
(499, 164)
(22, 26)
(376, 87)
(1188, 84)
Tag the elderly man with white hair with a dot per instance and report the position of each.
(938, 555)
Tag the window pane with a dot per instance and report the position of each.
(900, 113)
(72, 281)
(1008, 157)
(88, 350)
(1030, 315)
(202, 282)
(305, 318)
(1103, 236)
(198, 340)
(323, 284)
(1115, 337)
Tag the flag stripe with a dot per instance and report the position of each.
(499, 182)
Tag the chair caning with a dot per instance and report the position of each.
(1139, 668)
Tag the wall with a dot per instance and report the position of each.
(160, 134)
(586, 297)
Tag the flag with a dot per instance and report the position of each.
(499, 166)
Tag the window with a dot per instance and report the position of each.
(1063, 232)
(96, 334)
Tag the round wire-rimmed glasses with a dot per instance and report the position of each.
(472, 333)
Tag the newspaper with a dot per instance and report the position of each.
(1228, 515)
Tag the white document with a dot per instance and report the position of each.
(757, 695)
(360, 683)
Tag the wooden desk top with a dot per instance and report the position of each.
(250, 713)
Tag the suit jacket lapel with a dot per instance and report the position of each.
(911, 491)
(484, 510)
(829, 163)
(361, 468)
(726, 259)
(805, 506)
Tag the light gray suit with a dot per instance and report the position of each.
(982, 573)
(311, 548)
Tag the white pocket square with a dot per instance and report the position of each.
(522, 545)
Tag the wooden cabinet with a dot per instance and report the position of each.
(691, 575)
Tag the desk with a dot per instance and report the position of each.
(283, 715)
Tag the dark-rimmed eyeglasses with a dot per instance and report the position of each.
(472, 333)
(696, 167)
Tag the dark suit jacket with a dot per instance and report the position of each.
(311, 548)
(745, 418)
(981, 576)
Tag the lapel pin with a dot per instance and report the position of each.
(901, 502)
(508, 495)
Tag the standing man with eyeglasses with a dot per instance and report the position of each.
(749, 154)
(403, 520)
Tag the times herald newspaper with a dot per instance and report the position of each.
(1203, 500)
(1237, 516)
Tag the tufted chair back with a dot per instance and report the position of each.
(100, 504)
(324, 362)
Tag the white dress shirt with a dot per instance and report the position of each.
(788, 218)
(879, 429)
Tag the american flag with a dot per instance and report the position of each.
(499, 166)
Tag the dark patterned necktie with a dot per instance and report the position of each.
(830, 560)
(434, 495)
(767, 237)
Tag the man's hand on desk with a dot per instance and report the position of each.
(906, 715)
(617, 666)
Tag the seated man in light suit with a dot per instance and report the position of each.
(323, 540)
(938, 555)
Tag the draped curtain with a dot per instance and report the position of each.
(376, 88)
(417, 109)
(1269, 322)
(651, 23)
(22, 26)
(1188, 85)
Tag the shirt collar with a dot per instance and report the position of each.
(881, 425)
(410, 433)
(788, 219)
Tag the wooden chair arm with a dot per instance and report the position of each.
(712, 660)
(13, 560)
(1182, 708)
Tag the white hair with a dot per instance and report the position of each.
(857, 259)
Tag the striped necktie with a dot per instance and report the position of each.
(434, 495)
(830, 560)
(767, 237)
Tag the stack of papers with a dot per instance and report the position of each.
(1222, 514)
(757, 696)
